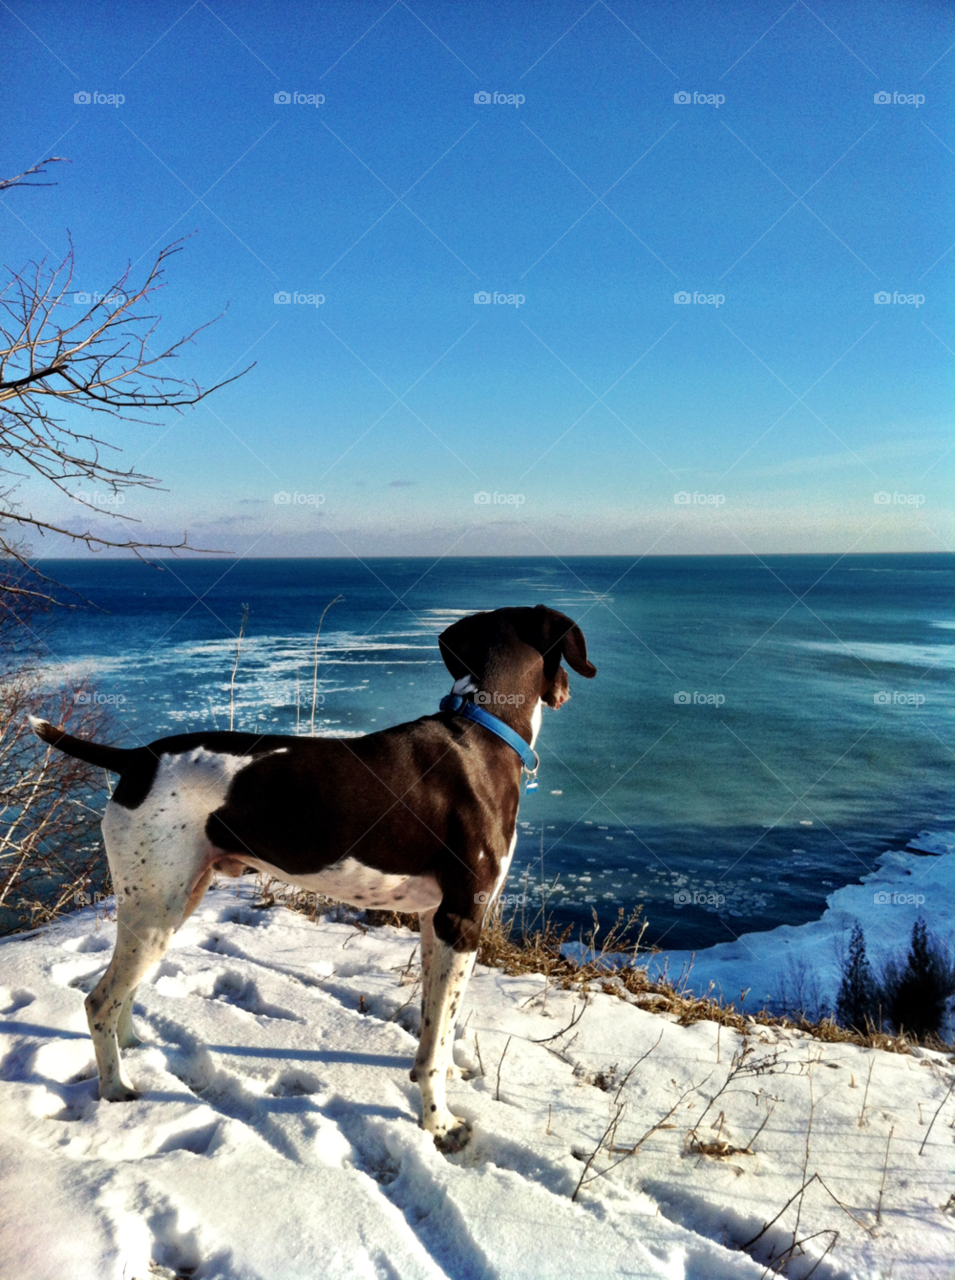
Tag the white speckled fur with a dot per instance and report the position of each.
(159, 860)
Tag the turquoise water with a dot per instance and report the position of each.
(813, 732)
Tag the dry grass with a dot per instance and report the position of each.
(616, 964)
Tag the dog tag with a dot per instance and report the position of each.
(531, 785)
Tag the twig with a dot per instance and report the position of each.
(747, 1245)
(935, 1117)
(573, 1022)
(497, 1091)
(628, 1151)
(866, 1094)
(235, 665)
(592, 1157)
(805, 1163)
(315, 668)
(769, 1112)
(477, 1050)
(857, 1221)
(885, 1169)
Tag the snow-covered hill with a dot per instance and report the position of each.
(276, 1136)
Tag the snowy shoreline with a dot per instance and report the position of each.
(274, 1074)
(804, 962)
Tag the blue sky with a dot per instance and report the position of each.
(782, 191)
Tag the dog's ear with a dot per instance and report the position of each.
(555, 635)
(465, 644)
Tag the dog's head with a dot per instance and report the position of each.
(511, 647)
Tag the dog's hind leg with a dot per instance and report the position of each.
(125, 1031)
(126, 1036)
(143, 932)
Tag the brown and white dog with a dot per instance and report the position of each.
(420, 817)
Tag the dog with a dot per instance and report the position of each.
(421, 817)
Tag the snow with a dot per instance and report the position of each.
(277, 1132)
(782, 966)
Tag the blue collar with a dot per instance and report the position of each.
(460, 706)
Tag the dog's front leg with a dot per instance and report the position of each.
(444, 982)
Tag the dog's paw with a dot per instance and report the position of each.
(119, 1093)
(453, 1139)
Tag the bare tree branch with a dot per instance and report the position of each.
(107, 360)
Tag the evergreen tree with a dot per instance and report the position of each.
(915, 995)
(855, 1003)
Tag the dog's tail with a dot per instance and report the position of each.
(113, 758)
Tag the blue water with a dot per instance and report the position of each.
(767, 800)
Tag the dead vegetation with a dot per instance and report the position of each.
(614, 962)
